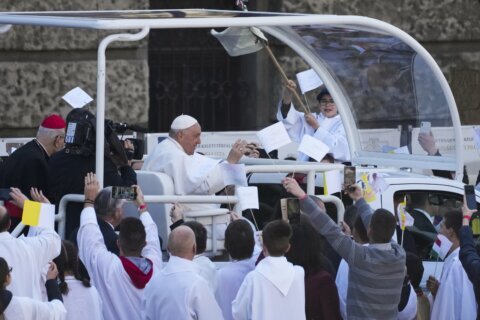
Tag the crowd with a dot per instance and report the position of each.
(284, 272)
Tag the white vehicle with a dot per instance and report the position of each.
(384, 83)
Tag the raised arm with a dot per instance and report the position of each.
(343, 244)
(152, 249)
(468, 255)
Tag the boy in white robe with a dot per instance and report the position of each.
(276, 288)
(178, 291)
(324, 125)
(28, 256)
(120, 281)
(452, 297)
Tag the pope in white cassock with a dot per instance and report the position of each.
(324, 125)
(191, 172)
(452, 297)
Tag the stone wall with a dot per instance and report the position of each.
(40, 64)
(449, 29)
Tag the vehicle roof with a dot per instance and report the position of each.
(383, 81)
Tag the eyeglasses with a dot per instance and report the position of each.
(325, 102)
(10, 269)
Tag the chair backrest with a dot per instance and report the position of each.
(154, 184)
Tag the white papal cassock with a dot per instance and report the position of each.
(274, 290)
(121, 299)
(191, 174)
(28, 256)
(455, 297)
(178, 292)
(331, 132)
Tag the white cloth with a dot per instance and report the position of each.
(178, 292)
(191, 174)
(410, 310)
(331, 132)
(24, 308)
(28, 256)
(274, 290)
(342, 286)
(230, 278)
(121, 299)
(82, 302)
(207, 270)
(455, 297)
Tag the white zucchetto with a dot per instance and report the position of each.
(183, 122)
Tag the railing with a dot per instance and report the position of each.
(309, 169)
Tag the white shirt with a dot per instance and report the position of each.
(24, 308)
(331, 132)
(82, 302)
(121, 299)
(207, 270)
(28, 256)
(178, 292)
(191, 174)
(455, 297)
(342, 286)
(274, 290)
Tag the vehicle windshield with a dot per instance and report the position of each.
(389, 87)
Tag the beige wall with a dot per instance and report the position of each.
(38, 65)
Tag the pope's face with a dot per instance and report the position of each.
(190, 138)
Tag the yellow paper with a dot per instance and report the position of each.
(368, 193)
(31, 213)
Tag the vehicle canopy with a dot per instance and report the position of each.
(384, 83)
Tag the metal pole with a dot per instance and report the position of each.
(101, 69)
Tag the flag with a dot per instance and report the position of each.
(37, 214)
(404, 218)
(368, 192)
(441, 246)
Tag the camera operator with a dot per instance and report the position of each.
(68, 168)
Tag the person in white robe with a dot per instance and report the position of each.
(27, 256)
(241, 246)
(80, 298)
(191, 172)
(178, 291)
(452, 297)
(120, 281)
(275, 289)
(23, 308)
(325, 125)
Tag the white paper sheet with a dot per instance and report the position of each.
(77, 98)
(332, 182)
(313, 148)
(273, 137)
(234, 174)
(248, 197)
(308, 80)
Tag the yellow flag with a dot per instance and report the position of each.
(38, 214)
(368, 192)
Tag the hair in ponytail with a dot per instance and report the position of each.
(67, 261)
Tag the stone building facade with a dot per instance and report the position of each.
(38, 65)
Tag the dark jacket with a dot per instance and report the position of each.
(27, 167)
(67, 175)
(470, 261)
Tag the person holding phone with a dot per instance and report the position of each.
(468, 255)
(380, 265)
(120, 280)
(324, 124)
